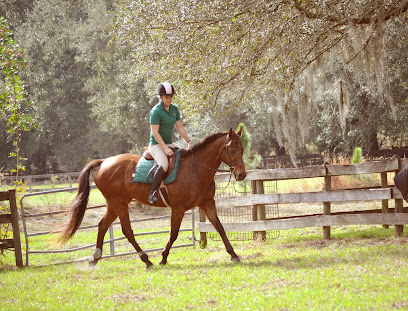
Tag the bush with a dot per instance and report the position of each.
(357, 156)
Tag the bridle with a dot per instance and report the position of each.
(230, 164)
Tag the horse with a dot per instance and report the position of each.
(193, 186)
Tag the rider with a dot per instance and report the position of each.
(163, 116)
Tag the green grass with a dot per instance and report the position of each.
(360, 268)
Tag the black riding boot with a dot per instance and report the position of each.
(157, 179)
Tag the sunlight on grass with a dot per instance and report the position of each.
(361, 268)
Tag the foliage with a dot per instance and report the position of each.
(216, 46)
(56, 84)
(246, 143)
(14, 105)
(224, 55)
(93, 67)
(357, 156)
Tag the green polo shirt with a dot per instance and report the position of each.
(166, 119)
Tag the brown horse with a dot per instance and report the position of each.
(194, 186)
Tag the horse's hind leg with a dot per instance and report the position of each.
(176, 219)
(210, 211)
(103, 226)
(128, 232)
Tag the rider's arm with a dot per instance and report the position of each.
(159, 139)
(182, 131)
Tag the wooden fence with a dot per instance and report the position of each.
(385, 216)
(12, 218)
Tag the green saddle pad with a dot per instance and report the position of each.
(144, 166)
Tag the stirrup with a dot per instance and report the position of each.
(153, 197)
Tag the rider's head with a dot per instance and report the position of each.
(165, 89)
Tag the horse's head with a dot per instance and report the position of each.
(232, 154)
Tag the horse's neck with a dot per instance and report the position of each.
(209, 156)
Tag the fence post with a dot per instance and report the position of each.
(399, 206)
(327, 206)
(203, 235)
(16, 229)
(112, 242)
(261, 207)
(13, 219)
(384, 203)
(254, 208)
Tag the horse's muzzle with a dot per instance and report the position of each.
(241, 176)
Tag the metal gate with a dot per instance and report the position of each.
(113, 249)
(243, 213)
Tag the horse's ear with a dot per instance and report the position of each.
(230, 133)
(239, 133)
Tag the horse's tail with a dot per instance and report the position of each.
(78, 205)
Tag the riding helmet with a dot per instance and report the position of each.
(166, 89)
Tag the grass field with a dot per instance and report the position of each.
(362, 268)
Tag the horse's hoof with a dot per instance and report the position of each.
(92, 264)
(149, 265)
(163, 262)
(235, 260)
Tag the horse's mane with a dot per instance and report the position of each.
(201, 144)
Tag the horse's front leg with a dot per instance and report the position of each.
(210, 211)
(177, 215)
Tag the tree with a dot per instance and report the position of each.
(362, 118)
(223, 53)
(14, 11)
(216, 45)
(14, 105)
(120, 105)
(66, 44)
(78, 82)
(56, 85)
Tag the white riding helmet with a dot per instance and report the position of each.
(166, 89)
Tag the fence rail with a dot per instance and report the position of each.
(384, 192)
(111, 241)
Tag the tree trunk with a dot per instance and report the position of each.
(280, 151)
(373, 146)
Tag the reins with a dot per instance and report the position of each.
(231, 165)
(209, 168)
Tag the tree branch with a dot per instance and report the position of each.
(393, 12)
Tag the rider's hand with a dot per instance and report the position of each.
(190, 145)
(168, 151)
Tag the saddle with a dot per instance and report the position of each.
(171, 159)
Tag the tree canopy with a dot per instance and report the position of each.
(232, 48)
(234, 53)
(304, 76)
